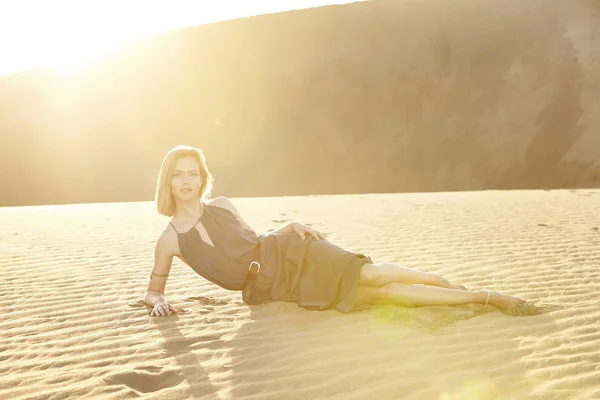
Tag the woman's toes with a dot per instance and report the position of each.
(504, 301)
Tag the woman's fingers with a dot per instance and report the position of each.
(299, 232)
(158, 311)
(317, 235)
(163, 311)
(302, 233)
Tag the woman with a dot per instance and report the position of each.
(293, 263)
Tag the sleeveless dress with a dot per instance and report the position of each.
(316, 274)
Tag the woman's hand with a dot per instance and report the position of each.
(303, 230)
(162, 309)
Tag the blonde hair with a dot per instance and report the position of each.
(165, 203)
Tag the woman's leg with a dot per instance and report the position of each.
(382, 273)
(423, 295)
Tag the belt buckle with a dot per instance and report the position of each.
(254, 263)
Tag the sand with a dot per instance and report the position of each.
(73, 325)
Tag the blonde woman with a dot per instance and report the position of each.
(293, 263)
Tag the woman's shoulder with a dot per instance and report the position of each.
(224, 203)
(167, 242)
(220, 201)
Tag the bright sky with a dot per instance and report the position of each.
(65, 34)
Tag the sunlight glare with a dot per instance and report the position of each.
(67, 34)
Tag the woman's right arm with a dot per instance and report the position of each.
(163, 258)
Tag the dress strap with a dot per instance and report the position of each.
(203, 211)
(190, 228)
(193, 226)
(174, 226)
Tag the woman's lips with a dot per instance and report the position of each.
(186, 190)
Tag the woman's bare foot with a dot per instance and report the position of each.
(504, 301)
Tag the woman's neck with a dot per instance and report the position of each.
(189, 210)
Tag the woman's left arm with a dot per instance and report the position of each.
(301, 229)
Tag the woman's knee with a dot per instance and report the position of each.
(382, 273)
(371, 274)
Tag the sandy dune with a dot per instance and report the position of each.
(383, 96)
(72, 325)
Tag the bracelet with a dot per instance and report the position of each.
(160, 276)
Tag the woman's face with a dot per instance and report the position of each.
(186, 180)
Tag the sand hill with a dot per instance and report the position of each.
(372, 97)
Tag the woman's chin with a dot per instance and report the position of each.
(186, 197)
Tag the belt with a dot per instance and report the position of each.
(250, 295)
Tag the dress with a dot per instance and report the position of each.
(316, 274)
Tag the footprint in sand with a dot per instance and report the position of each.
(206, 301)
(146, 379)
